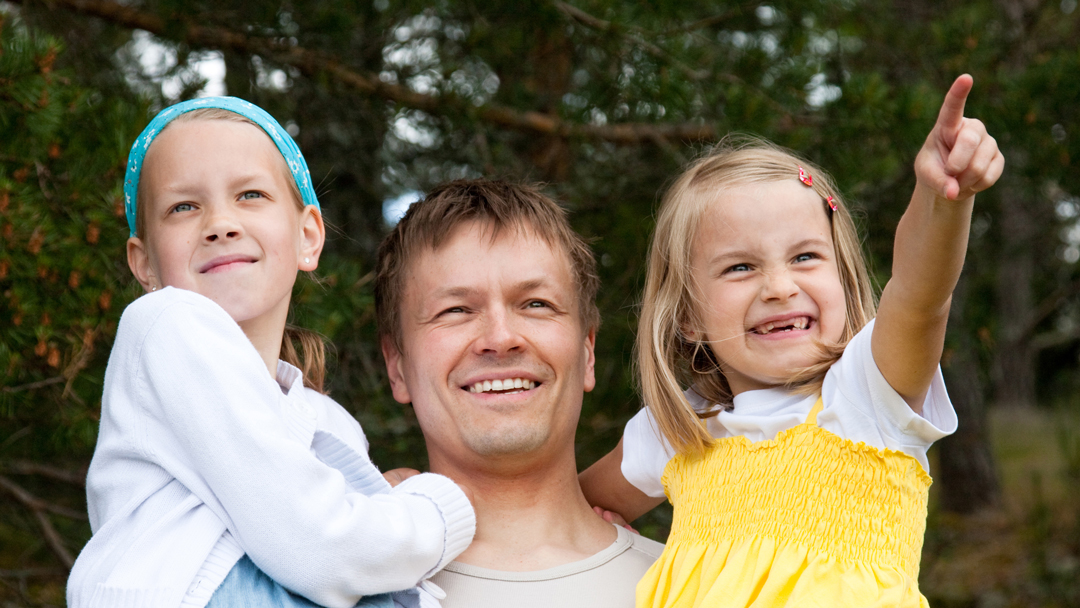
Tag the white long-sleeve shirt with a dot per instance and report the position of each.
(202, 457)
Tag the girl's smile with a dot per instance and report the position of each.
(769, 291)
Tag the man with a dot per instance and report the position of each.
(485, 300)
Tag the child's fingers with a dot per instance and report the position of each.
(991, 175)
(979, 165)
(951, 115)
(612, 518)
(396, 476)
(965, 145)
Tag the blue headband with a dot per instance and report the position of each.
(252, 112)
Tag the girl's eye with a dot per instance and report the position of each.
(805, 257)
(250, 194)
(739, 268)
(182, 207)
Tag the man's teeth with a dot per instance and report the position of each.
(508, 384)
(790, 324)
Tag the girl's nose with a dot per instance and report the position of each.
(221, 223)
(780, 286)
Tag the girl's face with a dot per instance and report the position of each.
(220, 220)
(766, 275)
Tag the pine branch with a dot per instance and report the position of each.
(26, 467)
(38, 507)
(312, 63)
(606, 26)
(33, 385)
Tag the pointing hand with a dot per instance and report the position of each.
(959, 157)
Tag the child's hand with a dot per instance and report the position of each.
(959, 157)
(613, 518)
(396, 476)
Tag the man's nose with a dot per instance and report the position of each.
(221, 223)
(499, 332)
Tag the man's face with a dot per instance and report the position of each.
(479, 314)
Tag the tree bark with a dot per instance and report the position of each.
(966, 467)
(1014, 365)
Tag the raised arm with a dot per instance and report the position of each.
(958, 160)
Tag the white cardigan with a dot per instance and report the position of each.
(202, 457)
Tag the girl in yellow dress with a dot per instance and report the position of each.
(796, 462)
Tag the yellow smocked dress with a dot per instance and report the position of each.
(804, 520)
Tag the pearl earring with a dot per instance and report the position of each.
(307, 260)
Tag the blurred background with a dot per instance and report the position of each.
(603, 101)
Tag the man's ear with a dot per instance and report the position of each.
(312, 238)
(139, 262)
(394, 362)
(590, 361)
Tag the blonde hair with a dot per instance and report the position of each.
(300, 347)
(667, 359)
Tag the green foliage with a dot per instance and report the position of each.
(853, 85)
(61, 277)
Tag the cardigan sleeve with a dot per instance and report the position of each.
(212, 418)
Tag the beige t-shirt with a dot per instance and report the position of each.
(605, 580)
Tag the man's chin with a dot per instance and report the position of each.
(505, 442)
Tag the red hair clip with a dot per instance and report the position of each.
(832, 203)
(805, 177)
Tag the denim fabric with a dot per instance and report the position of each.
(248, 586)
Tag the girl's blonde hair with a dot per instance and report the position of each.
(300, 347)
(667, 359)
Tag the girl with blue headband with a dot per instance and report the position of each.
(223, 475)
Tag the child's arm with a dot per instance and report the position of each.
(605, 486)
(958, 159)
(223, 429)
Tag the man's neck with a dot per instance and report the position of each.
(529, 521)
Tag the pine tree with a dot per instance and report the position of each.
(63, 283)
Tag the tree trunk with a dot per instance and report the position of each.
(1014, 365)
(966, 466)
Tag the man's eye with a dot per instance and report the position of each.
(182, 207)
(453, 310)
(251, 194)
(537, 304)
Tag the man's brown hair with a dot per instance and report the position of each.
(498, 205)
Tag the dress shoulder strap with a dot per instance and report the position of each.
(811, 418)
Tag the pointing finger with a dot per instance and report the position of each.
(951, 115)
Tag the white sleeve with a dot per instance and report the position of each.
(861, 405)
(645, 454)
(206, 397)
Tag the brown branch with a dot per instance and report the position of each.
(606, 26)
(32, 572)
(1050, 305)
(33, 385)
(26, 467)
(312, 63)
(1052, 339)
(714, 20)
(38, 508)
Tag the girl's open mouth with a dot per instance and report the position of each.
(772, 327)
